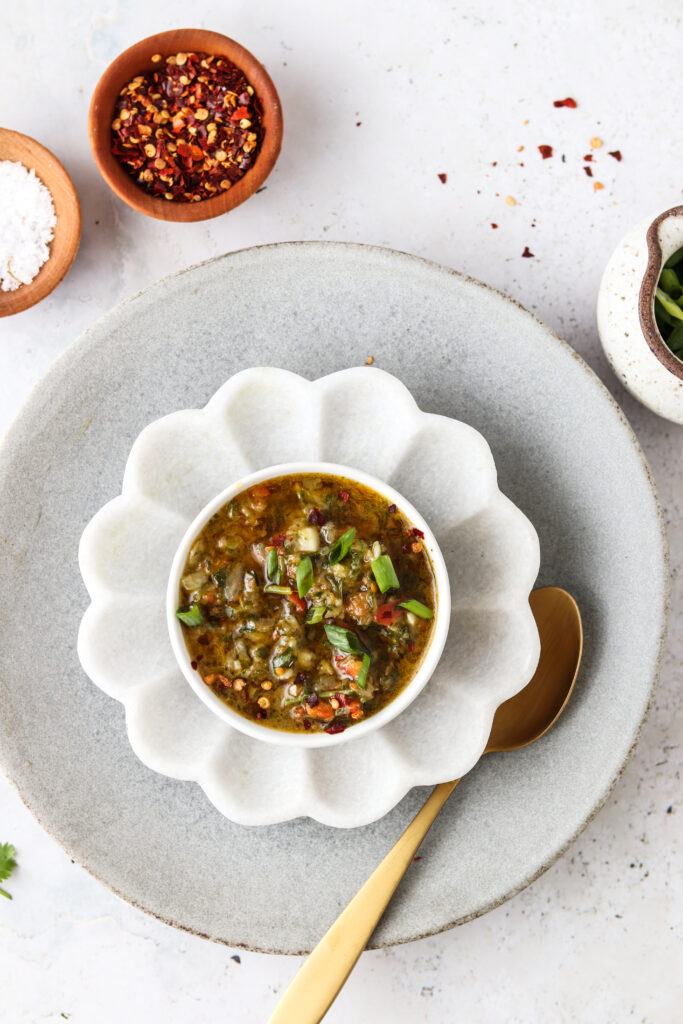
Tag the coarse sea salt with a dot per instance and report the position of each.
(27, 220)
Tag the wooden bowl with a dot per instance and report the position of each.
(137, 59)
(67, 232)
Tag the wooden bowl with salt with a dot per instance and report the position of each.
(67, 231)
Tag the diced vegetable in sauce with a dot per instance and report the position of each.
(307, 603)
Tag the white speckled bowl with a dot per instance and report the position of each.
(405, 697)
(368, 418)
(626, 319)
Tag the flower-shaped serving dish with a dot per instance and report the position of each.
(359, 417)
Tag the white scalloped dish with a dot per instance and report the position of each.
(363, 418)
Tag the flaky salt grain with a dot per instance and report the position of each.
(27, 220)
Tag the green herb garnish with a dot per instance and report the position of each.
(385, 574)
(284, 660)
(417, 608)
(316, 614)
(273, 570)
(343, 545)
(363, 674)
(668, 303)
(273, 588)
(304, 576)
(7, 865)
(191, 616)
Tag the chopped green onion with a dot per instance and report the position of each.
(272, 588)
(363, 674)
(675, 340)
(674, 260)
(191, 616)
(417, 608)
(284, 660)
(669, 305)
(384, 573)
(272, 566)
(344, 640)
(668, 282)
(316, 614)
(341, 548)
(304, 576)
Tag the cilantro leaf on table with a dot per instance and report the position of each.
(7, 865)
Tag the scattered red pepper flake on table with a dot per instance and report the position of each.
(597, 185)
(588, 171)
(494, 226)
(369, 361)
(569, 102)
(527, 252)
(189, 129)
(443, 178)
(545, 151)
(588, 157)
(616, 153)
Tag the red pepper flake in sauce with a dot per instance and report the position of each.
(527, 252)
(443, 178)
(334, 728)
(569, 102)
(391, 509)
(316, 517)
(189, 129)
(616, 153)
(588, 171)
(344, 496)
(417, 533)
(545, 151)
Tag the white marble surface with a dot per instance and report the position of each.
(437, 88)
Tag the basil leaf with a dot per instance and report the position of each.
(191, 616)
(341, 548)
(417, 608)
(316, 614)
(385, 574)
(284, 660)
(304, 576)
(344, 640)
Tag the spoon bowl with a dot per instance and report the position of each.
(519, 721)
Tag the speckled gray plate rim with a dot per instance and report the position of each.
(565, 455)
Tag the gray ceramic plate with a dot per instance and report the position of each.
(566, 457)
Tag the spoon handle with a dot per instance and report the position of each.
(323, 974)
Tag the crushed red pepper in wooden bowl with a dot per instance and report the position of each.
(188, 129)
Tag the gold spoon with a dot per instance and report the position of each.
(518, 722)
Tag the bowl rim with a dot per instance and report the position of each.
(646, 295)
(410, 691)
(136, 59)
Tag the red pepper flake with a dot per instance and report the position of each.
(261, 714)
(316, 517)
(334, 728)
(416, 859)
(494, 164)
(343, 699)
(494, 226)
(545, 151)
(189, 129)
(569, 102)
(344, 495)
(411, 645)
(193, 664)
(358, 124)
(417, 533)
(527, 252)
(443, 178)
(616, 153)
(307, 723)
(588, 171)
(278, 539)
(588, 158)
(369, 361)
(405, 548)
(391, 509)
